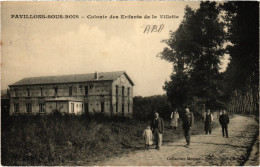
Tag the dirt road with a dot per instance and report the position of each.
(204, 150)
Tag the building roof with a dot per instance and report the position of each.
(102, 76)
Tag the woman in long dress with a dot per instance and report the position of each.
(174, 119)
(208, 119)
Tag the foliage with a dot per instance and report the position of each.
(59, 139)
(195, 50)
(198, 45)
(242, 75)
(145, 107)
(241, 79)
(73, 140)
(243, 47)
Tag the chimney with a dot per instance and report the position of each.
(96, 75)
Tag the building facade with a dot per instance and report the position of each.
(110, 93)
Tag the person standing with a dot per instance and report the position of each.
(188, 120)
(174, 119)
(208, 119)
(224, 121)
(157, 128)
(219, 113)
(148, 137)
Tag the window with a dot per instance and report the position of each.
(41, 91)
(70, 90)
(16, 108)
(16, 92)
(28, 92)
(123, 90)
(86, 90)
(128, 92)
(72, 107)
(91, 86)
(55, 91)
(116, 89)
(41, 108)
(116, 106)
(128, 107)
(102, 107)
(28, 108)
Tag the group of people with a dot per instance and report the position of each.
(157, 126)
(223, 120)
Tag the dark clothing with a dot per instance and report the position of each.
(188, 120)
(224, 119)
(158, 138)
(158, 128)
(224, 130)
(158, 124)
(208, 122)
(187, 135)
(208, 127)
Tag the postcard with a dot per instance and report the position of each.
(129, 83)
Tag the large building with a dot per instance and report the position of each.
(110, 93)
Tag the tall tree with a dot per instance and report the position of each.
(195, 50)
(242, 75)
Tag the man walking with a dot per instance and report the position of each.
(188, 120)
(157, 128)
(224, 121)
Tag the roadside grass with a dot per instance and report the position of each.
(74, 140)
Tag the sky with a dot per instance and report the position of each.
(53, 46)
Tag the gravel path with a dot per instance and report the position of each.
(204, 149)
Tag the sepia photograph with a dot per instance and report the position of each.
(130, 83)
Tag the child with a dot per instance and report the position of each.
(148, 135)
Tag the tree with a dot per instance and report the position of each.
(242, 74)
(195, 49)
(243, 35)
(145, 107)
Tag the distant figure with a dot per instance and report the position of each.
(174, 119)
(188, 120)
(219, 113)
(158, 128)
(224, 121)
(148, 137)
(208, 119)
